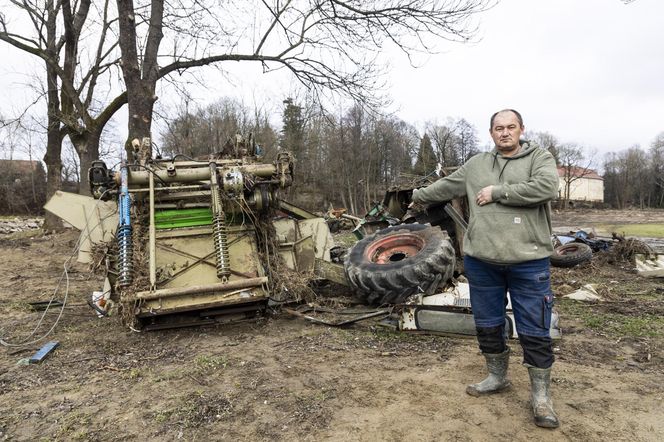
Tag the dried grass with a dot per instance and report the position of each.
(285, 284)
(624, 250)
(141, 272)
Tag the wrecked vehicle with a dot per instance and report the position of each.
(411, 262)
(399, 261)
(194, 241)
(201, 241)
(408, 251)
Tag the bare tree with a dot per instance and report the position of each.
(326, 45)
(467, 139)
(626, 177)
(22, 178)
(197, 131)
(546, 141)
(364, 155)
(656, 154)
(444, 140)
(72, 75)
(83, 116)
(44, 44)
(455, 142)
(70, 165)
(574, 166)
(9, 136)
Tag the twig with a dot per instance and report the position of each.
(73, 361)
(21, 350)
(205, 384)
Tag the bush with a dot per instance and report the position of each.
(22, 187)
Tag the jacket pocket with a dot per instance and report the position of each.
(500, 235)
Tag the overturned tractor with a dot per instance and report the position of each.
(189, 241)
(198, 241)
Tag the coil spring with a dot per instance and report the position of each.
(125, 246)
(221, 247)
(125, 255)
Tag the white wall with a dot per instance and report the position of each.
(584, 189)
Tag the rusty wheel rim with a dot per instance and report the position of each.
(568, 249)
(394, 248)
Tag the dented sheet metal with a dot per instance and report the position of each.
(97, 220)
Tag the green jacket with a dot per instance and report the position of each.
(516, 225)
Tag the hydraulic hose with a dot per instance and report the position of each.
(125, 246)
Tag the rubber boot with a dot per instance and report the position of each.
(540, 381)
(497, 380)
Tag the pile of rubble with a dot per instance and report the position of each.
(8, 226)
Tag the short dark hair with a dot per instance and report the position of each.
(518, 117)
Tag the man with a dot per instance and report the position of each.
(507, 247)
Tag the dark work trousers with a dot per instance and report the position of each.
(529, 284)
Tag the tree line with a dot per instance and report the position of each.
(346, 158)
(635, 177)
(98, 57)
(350, 157)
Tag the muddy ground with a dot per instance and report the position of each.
(282, 378)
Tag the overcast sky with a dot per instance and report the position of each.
(587, 71)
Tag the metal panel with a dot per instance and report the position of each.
(450, 312)
(447, 322)
(185, 257)
(303, 242)
(97, 220)
(320, 233)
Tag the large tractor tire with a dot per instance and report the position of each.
(571, 254)
(394, 263)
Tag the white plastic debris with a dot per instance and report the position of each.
(585, 293)
(650, 267)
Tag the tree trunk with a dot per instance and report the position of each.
(140, 104)
(53, 170)
(86, 158)
(140, 73)
(54, 135)
(86, 145)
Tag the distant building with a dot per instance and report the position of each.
(585, 184)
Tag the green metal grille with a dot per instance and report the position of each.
(171, 219)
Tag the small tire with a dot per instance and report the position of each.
(571, 254)
(399, 261)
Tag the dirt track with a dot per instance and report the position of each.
(280, 378)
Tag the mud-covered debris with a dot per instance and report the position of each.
(626, 248)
